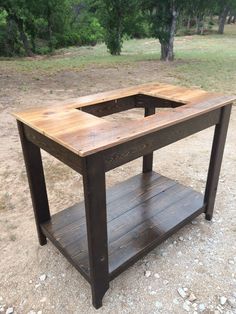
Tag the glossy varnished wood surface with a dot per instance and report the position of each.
(141, 212)
(84, 133)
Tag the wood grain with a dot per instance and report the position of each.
(141, 212)
(84, 133)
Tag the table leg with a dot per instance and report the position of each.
(216, 159)
(96, 219)
(148, 159)
(34, 169)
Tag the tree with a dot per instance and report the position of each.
(225, 7)
(198, 10)
(113, 15)
(17, 12)
(224, 11)
(163, 15)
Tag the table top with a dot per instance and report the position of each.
(86, 134)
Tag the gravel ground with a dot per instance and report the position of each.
(194, 271)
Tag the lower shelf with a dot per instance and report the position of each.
(141, 213)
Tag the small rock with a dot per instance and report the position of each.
(147, 273)
(202, 307)
(231, 262)
(43, 277)
(192, 297)
(232, 302)
(181, 239)
(10, 310)
(223, 300)
(165, 282)
(44, 299)
(39, 312)
(194, 222)
(176, 301)
(156, 275)
(32, 312)
(186, 307)
(182, 293)
(37, 285)
(158, 305)
(194, 305)
(219, 309)
(152, 292)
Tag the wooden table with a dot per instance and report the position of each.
(112, 229)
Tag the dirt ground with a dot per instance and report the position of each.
(201, 257)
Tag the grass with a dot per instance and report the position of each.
(204, 61)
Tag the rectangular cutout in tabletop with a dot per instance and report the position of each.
(141, 212)
(125, 103)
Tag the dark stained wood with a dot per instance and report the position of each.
(110, 107)
(128, 199)
(126, 152)
(148, 159)
(96, 222)
(216, 160)
(34, 168)
(104, 235)
(135, 227)
(56, 150)
(126, 103)
(135, 185)
(143, 100)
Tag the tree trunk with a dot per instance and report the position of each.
(202, 25)
(20, 25)
(23, 36)
(230, 19)
(49, 21)
(10, 38)
(234, 19)
(222, 19)
(167, 48)
(189, 23)
(197, 25)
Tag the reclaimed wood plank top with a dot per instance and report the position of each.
(86, 134)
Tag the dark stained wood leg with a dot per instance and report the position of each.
(216, 159)
(148, 159)
(34, 168)
(96, 220)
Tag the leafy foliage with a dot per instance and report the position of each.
(40, 26)
(116, 16)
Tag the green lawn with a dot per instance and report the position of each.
(206, 61)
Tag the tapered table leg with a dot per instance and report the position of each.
(95, 206)
(34, 169)
(148, 159)
(216, 159)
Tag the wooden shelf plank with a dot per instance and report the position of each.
(141, 212)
